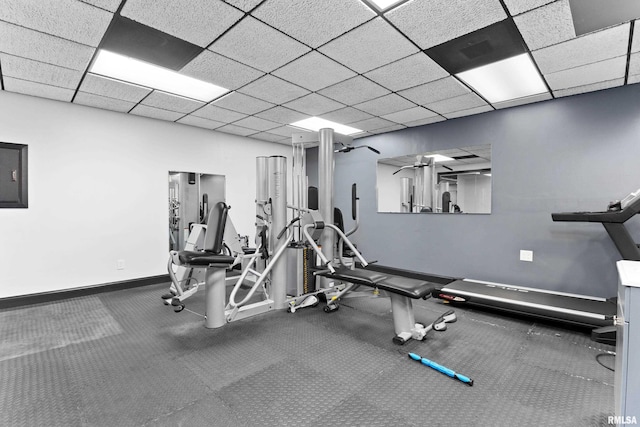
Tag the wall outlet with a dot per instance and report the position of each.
(120, 264)
(526, 256)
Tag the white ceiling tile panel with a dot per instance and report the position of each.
(522, 101)
(242, 103)
(517, 7)
(156, 113)
(245, 5)
(103, 102)
(634, 79)
(354, 91)
(463, 102)
(103, 86)
(200, 122)
(387, 129)
(385, 105)
(286, 131)
(438, 90)
(37, 89)
(346, 115)
(467, 112)
(634, 64)
(270, 137)
(171, 102)
(273, 89)
(314, 71)
(282, 115)
(257, 123)
(547, 25)
(430, 23)
(314, 104)
(584, 50)
(408, 72)
(236, 130)
(110, 5)
(373, 123)
(40, 72)
(258, 45)
(41, 47)
(314, 22)
(69, 19)
(361, 135)
(215, 113)
(219, 70)
(635, 44)
(588, 74)
(197, 21)
(426, 121)
(590, 88)
(369, 46)
(410, 115)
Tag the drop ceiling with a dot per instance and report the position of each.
(286, 60)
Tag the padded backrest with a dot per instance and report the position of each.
(215, 228)
(338, 220)
(312, 198)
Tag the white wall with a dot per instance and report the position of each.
(98, 191)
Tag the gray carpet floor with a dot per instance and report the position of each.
(125, 359)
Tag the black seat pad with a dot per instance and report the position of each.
(204, 259)
(358, 276)
(405, 286)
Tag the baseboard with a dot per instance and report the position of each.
(45, 297)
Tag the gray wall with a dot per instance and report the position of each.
(569, 154)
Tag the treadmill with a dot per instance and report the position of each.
(577, 310)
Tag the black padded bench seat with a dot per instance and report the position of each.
(405, 286)
(203, 259)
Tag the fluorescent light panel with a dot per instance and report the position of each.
(511, 78)
(437, 158)
(316, 123)
(142, 73)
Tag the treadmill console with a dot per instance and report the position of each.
(617, 212)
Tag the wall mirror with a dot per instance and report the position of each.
(455, 181)
(191, 195)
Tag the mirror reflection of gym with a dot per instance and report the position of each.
(452, 181)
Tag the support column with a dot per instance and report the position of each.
(325, 189)
(215, 297)
(277, 167)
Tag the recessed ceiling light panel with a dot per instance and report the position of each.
(511, 78)
(437, 158)
(120, 67)
(316, 123)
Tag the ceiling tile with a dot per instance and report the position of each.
(410, 115)
(354, 91)
(110, 5)
(245, 5)
(408, 72)
(589, 88)
(200, 122)
(40, 72)
(171, 102)
(387, 129)
(314, 22)
(155, 113)
(584, 50)
(273, 89)
(517, 7)
(635, 44)
(257, 123)
(221, 71)
(430, 23)
(197, 21)
(522, 101)
(633, 79)
(242, 103)
(37, 89)
(346, 115)
(286, 131)
(99, 85)
(314, 71)
(426, 121)
(282, 115)
(258, 45)
(457, 103)
(314, 104)
(103, 102)
(361, 135)
(588, 74)
(215, 113)
(467, 112)
(269, 137)
(236, 130)
(68, 19)
(385, 105)
(369, 46)
(428, 93)
(634, 64)
(41, 47)
(547, 25)
(371, 124)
